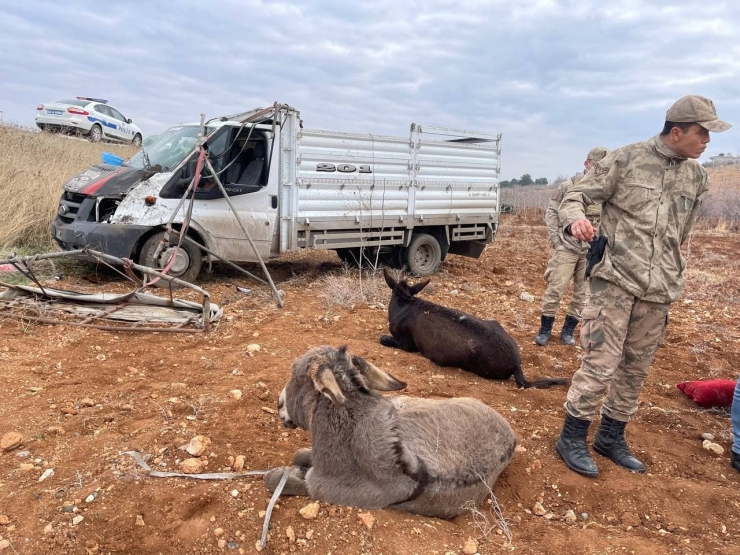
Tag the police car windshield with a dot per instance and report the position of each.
(168, 149)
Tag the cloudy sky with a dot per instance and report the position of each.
(554, 76)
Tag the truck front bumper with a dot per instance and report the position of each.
(121, 241)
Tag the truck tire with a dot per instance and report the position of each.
(350, 256)
(188, 261)
(423, 255)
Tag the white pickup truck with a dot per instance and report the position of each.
(408, 200)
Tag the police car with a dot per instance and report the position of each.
(88, 116)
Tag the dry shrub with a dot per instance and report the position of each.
(528, 201)
(351, 286)
(33, 168)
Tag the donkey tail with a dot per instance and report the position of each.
(523, 383)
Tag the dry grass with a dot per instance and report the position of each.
(351, 287)
(33, 168)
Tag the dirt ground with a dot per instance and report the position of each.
(152, 393)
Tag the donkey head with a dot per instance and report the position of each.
(401, 288)
(334, 373)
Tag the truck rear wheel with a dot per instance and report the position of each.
(423, 255)
(188, 259)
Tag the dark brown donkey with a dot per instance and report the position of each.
(449, 337)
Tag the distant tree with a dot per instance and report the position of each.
(558, 180)
(526, 179)
(505, 183)
(721, 154)
(540, 181)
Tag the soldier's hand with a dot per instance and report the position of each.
(582, 229)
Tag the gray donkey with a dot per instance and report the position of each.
(428, 457)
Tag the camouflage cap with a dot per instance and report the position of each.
(596, 154)
(696, 109)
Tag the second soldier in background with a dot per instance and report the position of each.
(567, 261)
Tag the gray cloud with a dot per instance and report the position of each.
(555, 77)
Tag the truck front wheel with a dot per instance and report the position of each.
(187, 264)
(423, 255)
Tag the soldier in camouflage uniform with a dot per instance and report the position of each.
(567, 261)
(650, 194)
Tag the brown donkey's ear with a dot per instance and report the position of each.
(415, 289)
(389, 279)
(376, 379)
(324, 381)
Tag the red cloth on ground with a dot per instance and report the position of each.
(709, 393)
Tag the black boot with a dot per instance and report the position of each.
(735, 460)
(571, 446)
(568, 335)
(543, 336)
(609, 442)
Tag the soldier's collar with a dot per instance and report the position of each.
(665, 151)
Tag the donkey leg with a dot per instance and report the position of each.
(303, 459)
(389, 341)
(295, 485)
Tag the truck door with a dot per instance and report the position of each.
(240, 160)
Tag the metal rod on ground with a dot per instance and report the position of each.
(271, 504)
(246, 233)
(173, 280)
(96, 326)
(42, 256)
(242, 270)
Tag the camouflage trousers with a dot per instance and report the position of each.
(563, 266)
(619, 336)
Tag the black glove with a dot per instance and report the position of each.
(595, 252)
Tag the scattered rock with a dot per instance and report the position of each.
(198, 445)
(49, 529)
(536, 465)
(127, 407)
(4, 544)
(570, 516)
(218, 532)
(584, 516)
(714, 447)
(309, 534)
(25, 467)
(236, 394)
(526, 297)
(71, 411)
(520, 449)
(709, 437)
(630, 519)
(10, 441)
(258, 546)
(192, 466)
(4, 520)
(76, 520)
(239, 463)
(310, 511)
(269, 410)
(221, 544)
(261, 514)
(253, 348)
(23, 454)
(92, 497)
(48, 473)
(232, 545)
(234, 493)
(290, 533)
(367, 519)
(87, 402)
(139, 520)
(470, 547)
(56, 430)
(538, 509)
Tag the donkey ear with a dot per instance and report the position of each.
(389, 279)
(416, 289)
(376, 379)
(324, 381)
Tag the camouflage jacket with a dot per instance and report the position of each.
(650, 200)
(552, 218)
